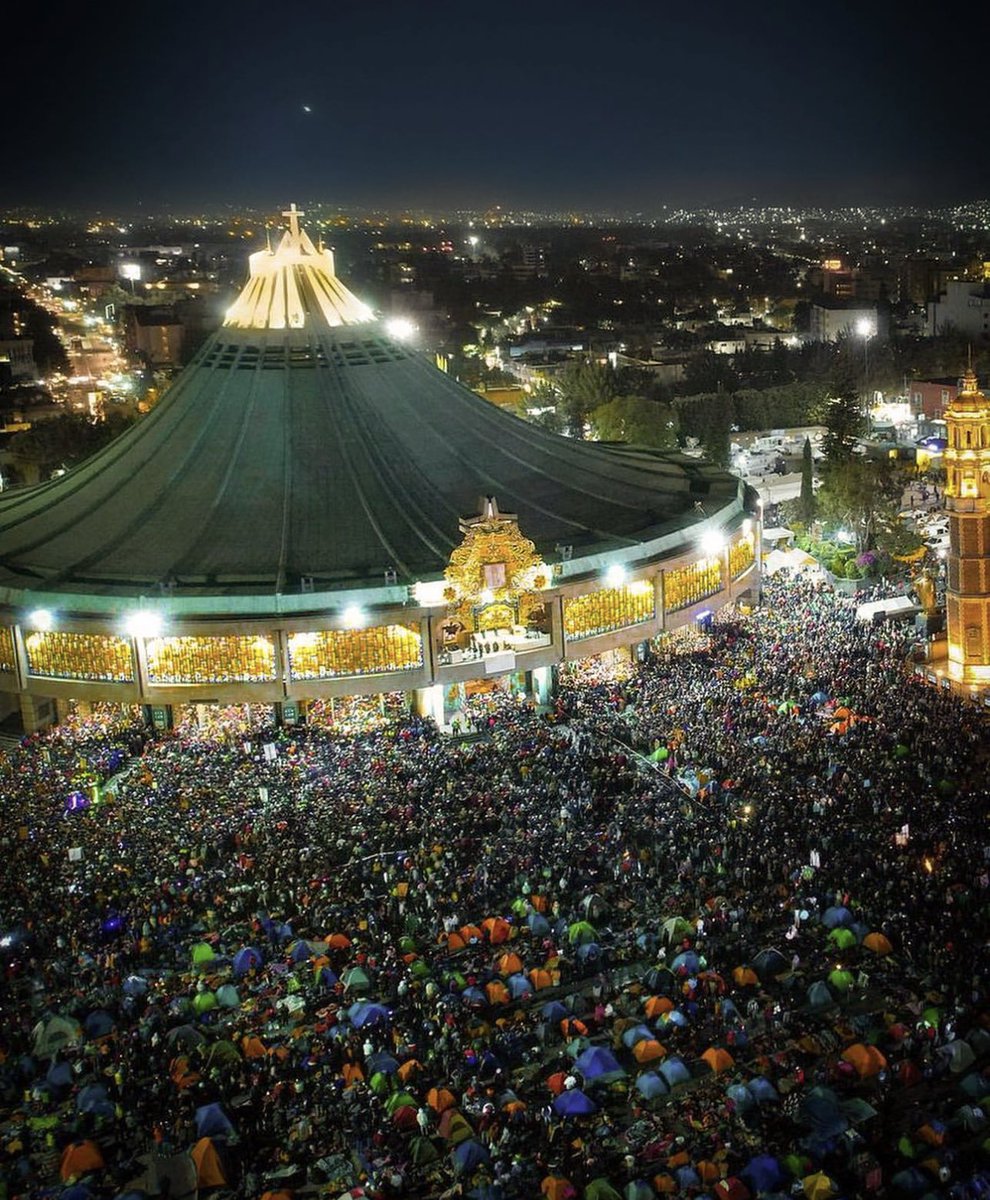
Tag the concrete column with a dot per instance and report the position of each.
(37, 712)
(428, 702)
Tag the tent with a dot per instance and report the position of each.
(598, 1063)
(248, 958)
(650, 1085)
(763, 1173)
(209, 1168)
(368, 1014)
(838, 914)
(574, 1103)
(213, 1122)
(878, 943)
(55, 1033)
(94, 1099)
(867, 1060)
(80, 1158)
(674, 1071)
(468, 1155)
(718, 1059)
(98, 1024)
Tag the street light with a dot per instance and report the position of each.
(866, 329)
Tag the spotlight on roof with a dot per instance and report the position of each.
(615, 576)
(143, 624)
(354, 617)
(401, 328)
(712, 543)
(41, 619)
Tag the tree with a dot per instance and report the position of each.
(63, 442)
(637, 421)
(582, 388)
(806, 501)
(843, 419)
(862, 497)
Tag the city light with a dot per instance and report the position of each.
(354, 617)
(712, 543)
(143, 624)
(401, 328)
(615, 576)
(41, 619)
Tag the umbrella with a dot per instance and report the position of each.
(574, 1103)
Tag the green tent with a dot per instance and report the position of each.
(204, 1001)
(202, 953)
(379, 1084)
(422, 1151)
(580, 933)
(843, 938)
(601, 1189)
(840, 979)
(400, 1100)
(356, 980)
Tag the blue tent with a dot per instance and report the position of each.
(78, 1191)
(650, 1085)
(94, 1099)
(539, 926)
(98, 1024)
(474, 995)
(820, 1110)
(248, 958)
(596, 1062)
(636, 1033)
(381, 1062)
(687, 1177)
(468, 1155)
(59, 1076)
(762, 1090)
(213, 1122)
(770, 962)
(741, 1096)
(674, 1017)
(835, 916)
(688, 960)
(327, 978)
(674, 1071)
(763, 1173)
(912, 1181)
(227, 996)
(553, 1010)
(134, 985)
(365, 1013)
(819, 995)
(574, 1103)
(519, 986)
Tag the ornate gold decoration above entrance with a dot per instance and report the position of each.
(495, 564)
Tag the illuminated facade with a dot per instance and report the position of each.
(967, 502)
(311, 516)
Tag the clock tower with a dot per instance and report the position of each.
(967, 502)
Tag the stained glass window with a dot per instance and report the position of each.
(685, 586)
(92, 656)
(741, 555)
(608, 609)
(334, 652)
(210, 659)
(8, 659)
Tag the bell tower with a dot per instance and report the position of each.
(967, 502)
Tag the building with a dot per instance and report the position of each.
(931, 397)
(967, 501)
(154, 332)
(313, 511)
(963, 307)
(833, 319)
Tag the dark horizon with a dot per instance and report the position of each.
(547, 108)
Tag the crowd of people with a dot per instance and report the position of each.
(715, 927)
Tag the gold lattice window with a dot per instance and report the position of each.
(333, 652)
(8, 658)
(608, 609)
(96, 657)
(237, 659)
(741, 555)
(685, 586)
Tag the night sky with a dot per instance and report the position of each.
(615, 105)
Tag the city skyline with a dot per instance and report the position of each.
(545, 107)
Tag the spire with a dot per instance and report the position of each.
(294, 286)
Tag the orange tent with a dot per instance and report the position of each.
(209, 1170)
(539, 903)
(440, 1099)
(867, 1060)
(680, 1159)
(181, 1074)
(470, 933)
(745, 977)
(878, 943)
(454, 1127)
(498, 929)
(409, 1068)
(648, 1050)
(352, 1073)
(572, 1027)
(509, 964)
(556, 1187)
(708, 1170)
(540, 978)
(929, 1134)
(514, 1106)
(556, 1082)
(286, 1194)
(664, 1184)
(497, 992)
(79, 1158)
(253, 1047)
(338, 941)
(455, 942)
(656, 1006)
(718, 1059)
